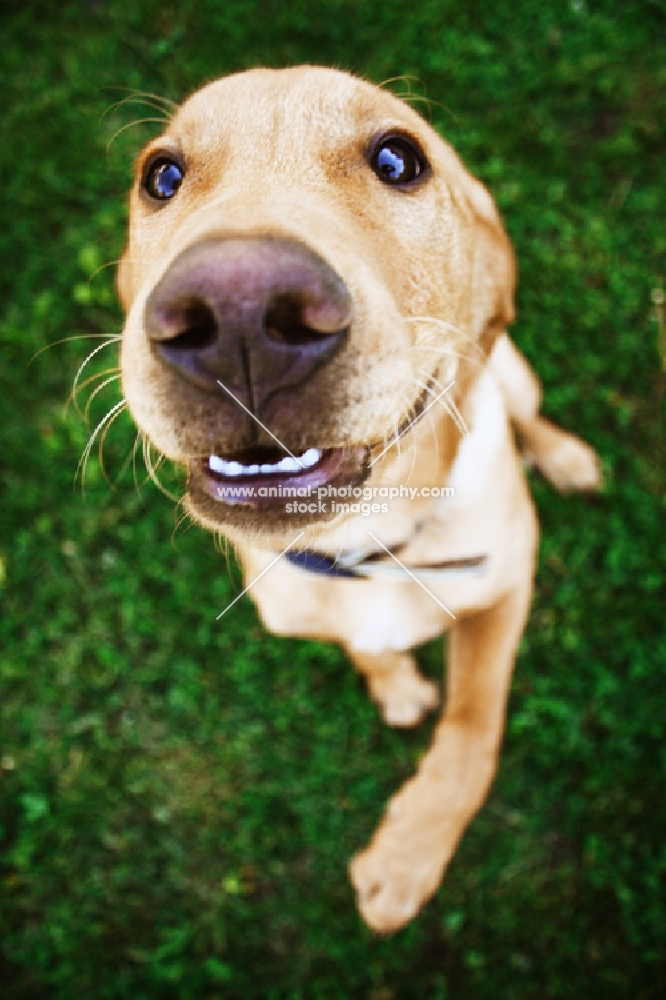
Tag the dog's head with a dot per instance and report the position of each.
(308, 266)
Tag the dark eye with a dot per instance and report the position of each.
(163, 179)
(396, 160)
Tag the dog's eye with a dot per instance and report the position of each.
(163, 179)
(396, 160)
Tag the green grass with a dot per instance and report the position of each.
(179, 797)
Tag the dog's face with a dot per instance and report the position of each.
(307, 264)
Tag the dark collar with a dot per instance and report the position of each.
(366, 565)
(318, 562)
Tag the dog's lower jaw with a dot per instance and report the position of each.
(235, 507)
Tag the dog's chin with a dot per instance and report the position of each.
(268, 495)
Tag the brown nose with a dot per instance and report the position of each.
(258, 314)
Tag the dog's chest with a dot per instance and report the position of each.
(448, 554)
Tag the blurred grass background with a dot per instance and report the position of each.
(179, 797)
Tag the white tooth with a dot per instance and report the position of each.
(310, 457)
(224, 467)
(287, 465)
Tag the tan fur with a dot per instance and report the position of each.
(430, 271)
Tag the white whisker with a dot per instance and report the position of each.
(162, 104)
(184, 517)
(107, 381)
(135, 448)
(450, 406)
(94, 378)
(139, 121)
(152, 467)
(106, 421)
(458, 417)
(78, 336)
(447, 352)
(450, 327)
(438, 322)
(130, 458)
(433, 427)
(442, 401)
(107, 342)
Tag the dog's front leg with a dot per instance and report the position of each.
(405, 861)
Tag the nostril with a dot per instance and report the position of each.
(185, 325)
(290, 320)
(283, 322)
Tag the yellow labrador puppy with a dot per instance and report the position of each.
(317, 294)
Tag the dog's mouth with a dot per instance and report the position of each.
(261, 477)
(257, 488)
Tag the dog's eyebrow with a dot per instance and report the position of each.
(166, 144)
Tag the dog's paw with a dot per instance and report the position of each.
(569, 463)
(408, 711)
(387, 897)
(403, 865)
(403, 695)
(572, 465)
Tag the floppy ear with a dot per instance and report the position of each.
(124, 289)
(494, 267)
